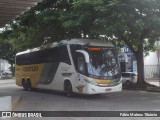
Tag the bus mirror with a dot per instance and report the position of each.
(86, 55)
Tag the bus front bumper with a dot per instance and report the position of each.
(94, 89)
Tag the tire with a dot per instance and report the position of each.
(29, 85)
(24, 84)
(68, 89)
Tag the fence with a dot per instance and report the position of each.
(152, 72)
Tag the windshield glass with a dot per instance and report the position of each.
(103, 62)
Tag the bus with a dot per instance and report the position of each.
(85, 66)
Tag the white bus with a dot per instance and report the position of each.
(84, 66)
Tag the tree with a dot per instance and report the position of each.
(7, 50)
(136, 22)
(38, 26)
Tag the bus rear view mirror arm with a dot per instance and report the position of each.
(85, 55)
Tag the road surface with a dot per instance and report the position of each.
(43, 100)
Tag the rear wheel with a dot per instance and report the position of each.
(29, 85)
(24, 84)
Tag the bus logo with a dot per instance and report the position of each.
(6, 114)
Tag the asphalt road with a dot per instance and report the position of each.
(43, 100)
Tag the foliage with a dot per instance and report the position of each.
(7, 50)
(137, 23)
(38, 26)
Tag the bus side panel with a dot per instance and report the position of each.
(62, 72)
(33, 72)
(48, 73)
(65, 72)
(38, 73)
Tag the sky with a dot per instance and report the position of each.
(1, 29)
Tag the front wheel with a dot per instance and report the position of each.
(69, 91)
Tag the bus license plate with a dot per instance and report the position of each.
(108, 89)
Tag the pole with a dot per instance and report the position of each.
(158, 56)
(159, 71)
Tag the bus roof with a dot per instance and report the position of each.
(89, 42)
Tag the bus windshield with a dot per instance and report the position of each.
(103, 62)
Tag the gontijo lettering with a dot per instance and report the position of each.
(30, 68)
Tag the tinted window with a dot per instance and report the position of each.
(57, 54)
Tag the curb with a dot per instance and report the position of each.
(153, 90)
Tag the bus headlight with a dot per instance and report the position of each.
(91, 81)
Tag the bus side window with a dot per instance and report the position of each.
(81, 65)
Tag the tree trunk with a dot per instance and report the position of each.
(140, 67)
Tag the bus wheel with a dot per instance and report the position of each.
(29, 85)
(68, 89)
(24, 84)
